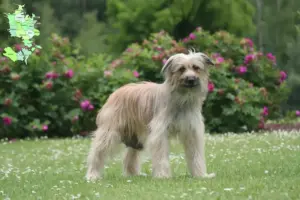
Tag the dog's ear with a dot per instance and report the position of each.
(167, 65)
(208, 61)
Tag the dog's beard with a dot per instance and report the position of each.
(188, 90)
(183, 88)
(196, 86)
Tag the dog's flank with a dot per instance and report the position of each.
(146, 114)
(130, 108)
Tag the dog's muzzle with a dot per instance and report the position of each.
(191, 81)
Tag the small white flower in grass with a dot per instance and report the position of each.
(183, 195)
(76, 196)
(109, 185)
(33, 192)
(129, 181)
(228, 189)
(266, 171)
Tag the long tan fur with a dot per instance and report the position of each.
(144, 115)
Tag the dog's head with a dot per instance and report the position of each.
(187, 71)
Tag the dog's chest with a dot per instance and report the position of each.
(184, 121)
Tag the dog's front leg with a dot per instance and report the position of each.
(159, 150)
(194, 147)
(158, 145)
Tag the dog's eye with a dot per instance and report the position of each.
(182, 69)
(196, 67)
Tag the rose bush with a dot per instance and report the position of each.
(36, 98)
(56, 94)
(59, 92)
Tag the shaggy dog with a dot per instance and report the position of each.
(146, 114)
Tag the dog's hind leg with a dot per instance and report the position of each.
(103, 144)
(131, 162)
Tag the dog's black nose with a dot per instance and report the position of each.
(191, 80)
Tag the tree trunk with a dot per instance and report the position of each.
(278, 3)
(259, 31)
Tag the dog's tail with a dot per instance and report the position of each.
(105, 141)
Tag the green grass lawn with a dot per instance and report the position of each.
(250, 166)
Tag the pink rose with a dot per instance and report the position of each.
(85, 104)
(242, 69)
(283, 76)
(7, 121)
(136, 74)
(265, 111)
(249, 42)
(45, 128)
(91, 107)
(51, 75)
(271, 57)
(220, 60)
(211, 87)
(69, 73)
(192, 36)
(249, 58)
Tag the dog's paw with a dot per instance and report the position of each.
(162, 176)
(208, 176)
(92, 177)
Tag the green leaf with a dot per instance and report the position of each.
(22, 85)
(230, 96)
(73, 113)
(23, 111)
(229, 111)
